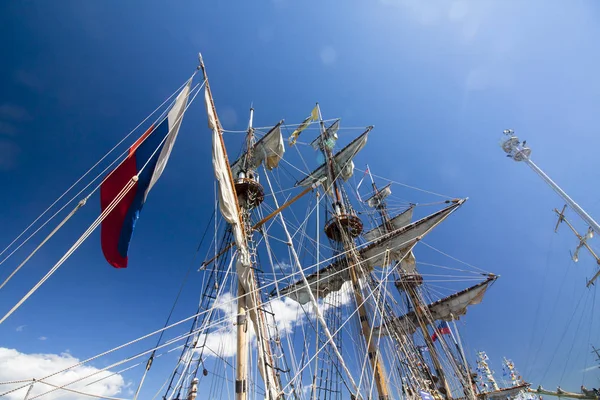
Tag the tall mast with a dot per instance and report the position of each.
(519, 151)
(409, 282)
(344, 227)
(250, 194)
(241, 373)
(239, 195)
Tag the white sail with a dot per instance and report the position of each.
(269, 149)
(446, 309)
(342, 161)
(398, 222)
(375, 200)
(330, 136)
(391, 246)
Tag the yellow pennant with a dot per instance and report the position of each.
(314, 116)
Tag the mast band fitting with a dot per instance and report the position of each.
(240, 386)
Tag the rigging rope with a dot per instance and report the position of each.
(341, 271)
(100, 218)
(79, 180)
(185, 279)
(410, 187)
(77, 392)
(312, 297)
(79, 205)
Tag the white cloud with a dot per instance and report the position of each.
(20, 328)
(588, 369)
(42, 338)
(284, 266)
(328, 55)
(288, 315)
(15, 365)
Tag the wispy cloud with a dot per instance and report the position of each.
(588, 369)
(42, 338)
(288, 315)
(20, 328)
(284, 266)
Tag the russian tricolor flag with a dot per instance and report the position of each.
(147, 158)
(442, 329)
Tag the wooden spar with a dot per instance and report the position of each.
(241, 366)
(261, 223)
(283, 207)
(242, 338)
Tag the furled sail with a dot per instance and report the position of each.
(398, 222)
(391, 246)
(230, 211)
(446, 309)
(378, 197)
(268, 149)
(342, 162)
(330, 137)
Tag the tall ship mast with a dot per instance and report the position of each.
(520, 152)
(308, 289)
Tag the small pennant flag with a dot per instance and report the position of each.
(360, 183)
(314, 116)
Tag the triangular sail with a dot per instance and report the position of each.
(342, 161)
(446, 309)
(378, 197)
(391, 246)
(398, 222)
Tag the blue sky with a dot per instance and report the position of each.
(439, 82)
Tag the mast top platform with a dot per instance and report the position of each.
(344, 224)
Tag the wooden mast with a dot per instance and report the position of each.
(420, 311)
(411, 289)
(241, 383)
(354, 263)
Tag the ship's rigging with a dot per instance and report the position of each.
(347, 314)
